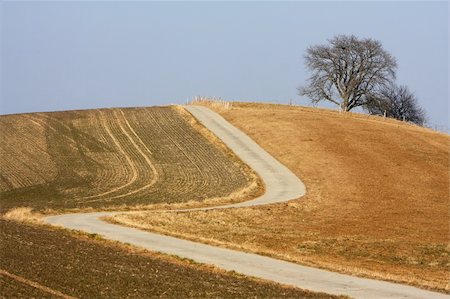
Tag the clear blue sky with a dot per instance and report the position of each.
(72, 55)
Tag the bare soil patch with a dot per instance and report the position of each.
(377, 201)
(84, 266)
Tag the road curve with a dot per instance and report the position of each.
(281, 185)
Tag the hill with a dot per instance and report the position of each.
(377, 201)
(109, 159)
(115, 158)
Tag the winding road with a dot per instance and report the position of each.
(281, 185)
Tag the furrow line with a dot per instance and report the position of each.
(186, 183)
(110, 174)
(46, 125)
(188, 149)
(132, 156)
(147, 160)
(35, 285)
(130, 163)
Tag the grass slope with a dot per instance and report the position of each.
(377, 201)
(113, 158)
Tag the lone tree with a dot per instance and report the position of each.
(397, 102)
(348, 71)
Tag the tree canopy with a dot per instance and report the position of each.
(397, 102)
(348, 71)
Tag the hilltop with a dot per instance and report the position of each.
(377, 201)
(114, 159)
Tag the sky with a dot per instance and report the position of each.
(84, 54)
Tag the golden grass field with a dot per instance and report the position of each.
(377, 201)
(116, 159)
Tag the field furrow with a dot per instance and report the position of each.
(62, 128)
(25, 161)
(46, 126)
(188, 167)
(17, 176)
(113, 166)
(139, 169)
(109, 157)
(115, 134)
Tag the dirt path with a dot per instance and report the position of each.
(281, 185)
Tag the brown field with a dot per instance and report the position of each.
(44, 262)
(377, 202)
(112, 159)
(116, 159)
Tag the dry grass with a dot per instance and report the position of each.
(113, 158)
(377, 200)
(23, 214)
(214, 103)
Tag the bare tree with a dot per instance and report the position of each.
(397, 102)
(347, 71)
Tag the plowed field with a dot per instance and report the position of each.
(114, 158)
(109, 159)
(42, 262)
